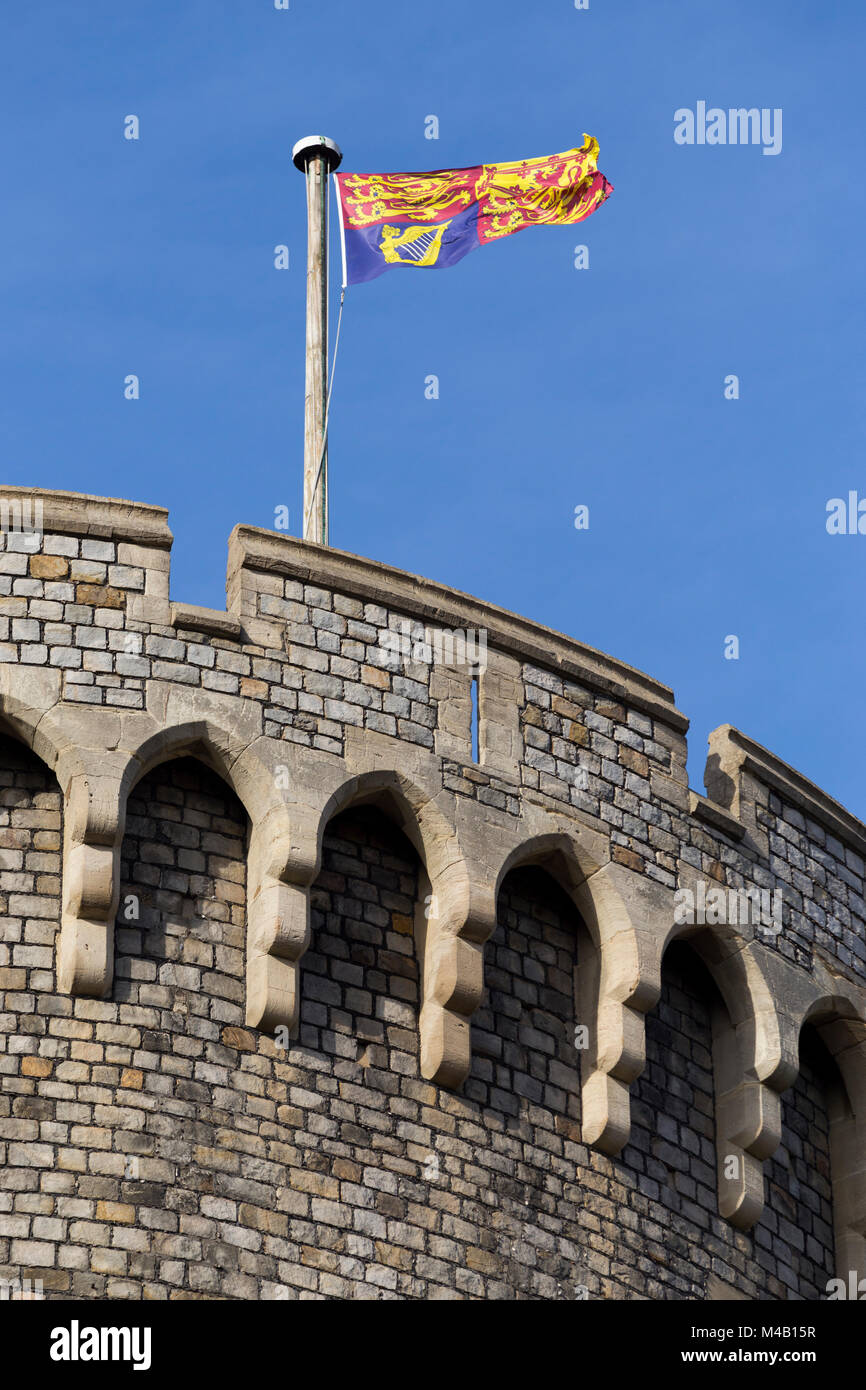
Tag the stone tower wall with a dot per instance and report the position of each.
(301, 995)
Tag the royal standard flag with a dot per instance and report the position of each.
(432, 220)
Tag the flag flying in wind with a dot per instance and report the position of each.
(433, 220)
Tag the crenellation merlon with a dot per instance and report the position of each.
(256, 556)
(739, 774)
(80, 514)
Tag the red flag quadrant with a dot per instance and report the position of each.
(432, 220)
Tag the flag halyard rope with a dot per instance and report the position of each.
(314, 488)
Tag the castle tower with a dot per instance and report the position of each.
(309, 986)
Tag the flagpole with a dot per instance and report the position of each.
(316, 157)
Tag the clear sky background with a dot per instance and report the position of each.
(558, 387)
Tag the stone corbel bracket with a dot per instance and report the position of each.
(462, 916)
(69, 741)
(750, 1062)
(627, 916)
(748, 1119)
(93, 833)
(283, 862)
(756, 1036)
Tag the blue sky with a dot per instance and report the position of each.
(558, 387)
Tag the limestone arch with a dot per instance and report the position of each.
(19, 732)
(558, 1072)
(59, 734)
(618, 969)
(363, 964)
(568, 865)
(27, 696)
(747, 1070)
(277, 867)
(98, 781)
(409, 805)
(20, 759)
(453, 915)
(180, 804)
(212, 744)
(33, 714)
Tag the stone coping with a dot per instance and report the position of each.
(108, 518)
(715, 816)
(734, 748)
(257, 549)
(213, 621)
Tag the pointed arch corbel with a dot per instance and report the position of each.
(283, 860)
(746, 1053)
(454, 914)
(452, 946)
(63, 736)
(92, 837)
(280, 855)
(626, 916)
(101, 757)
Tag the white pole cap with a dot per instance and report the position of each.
(317, 144)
